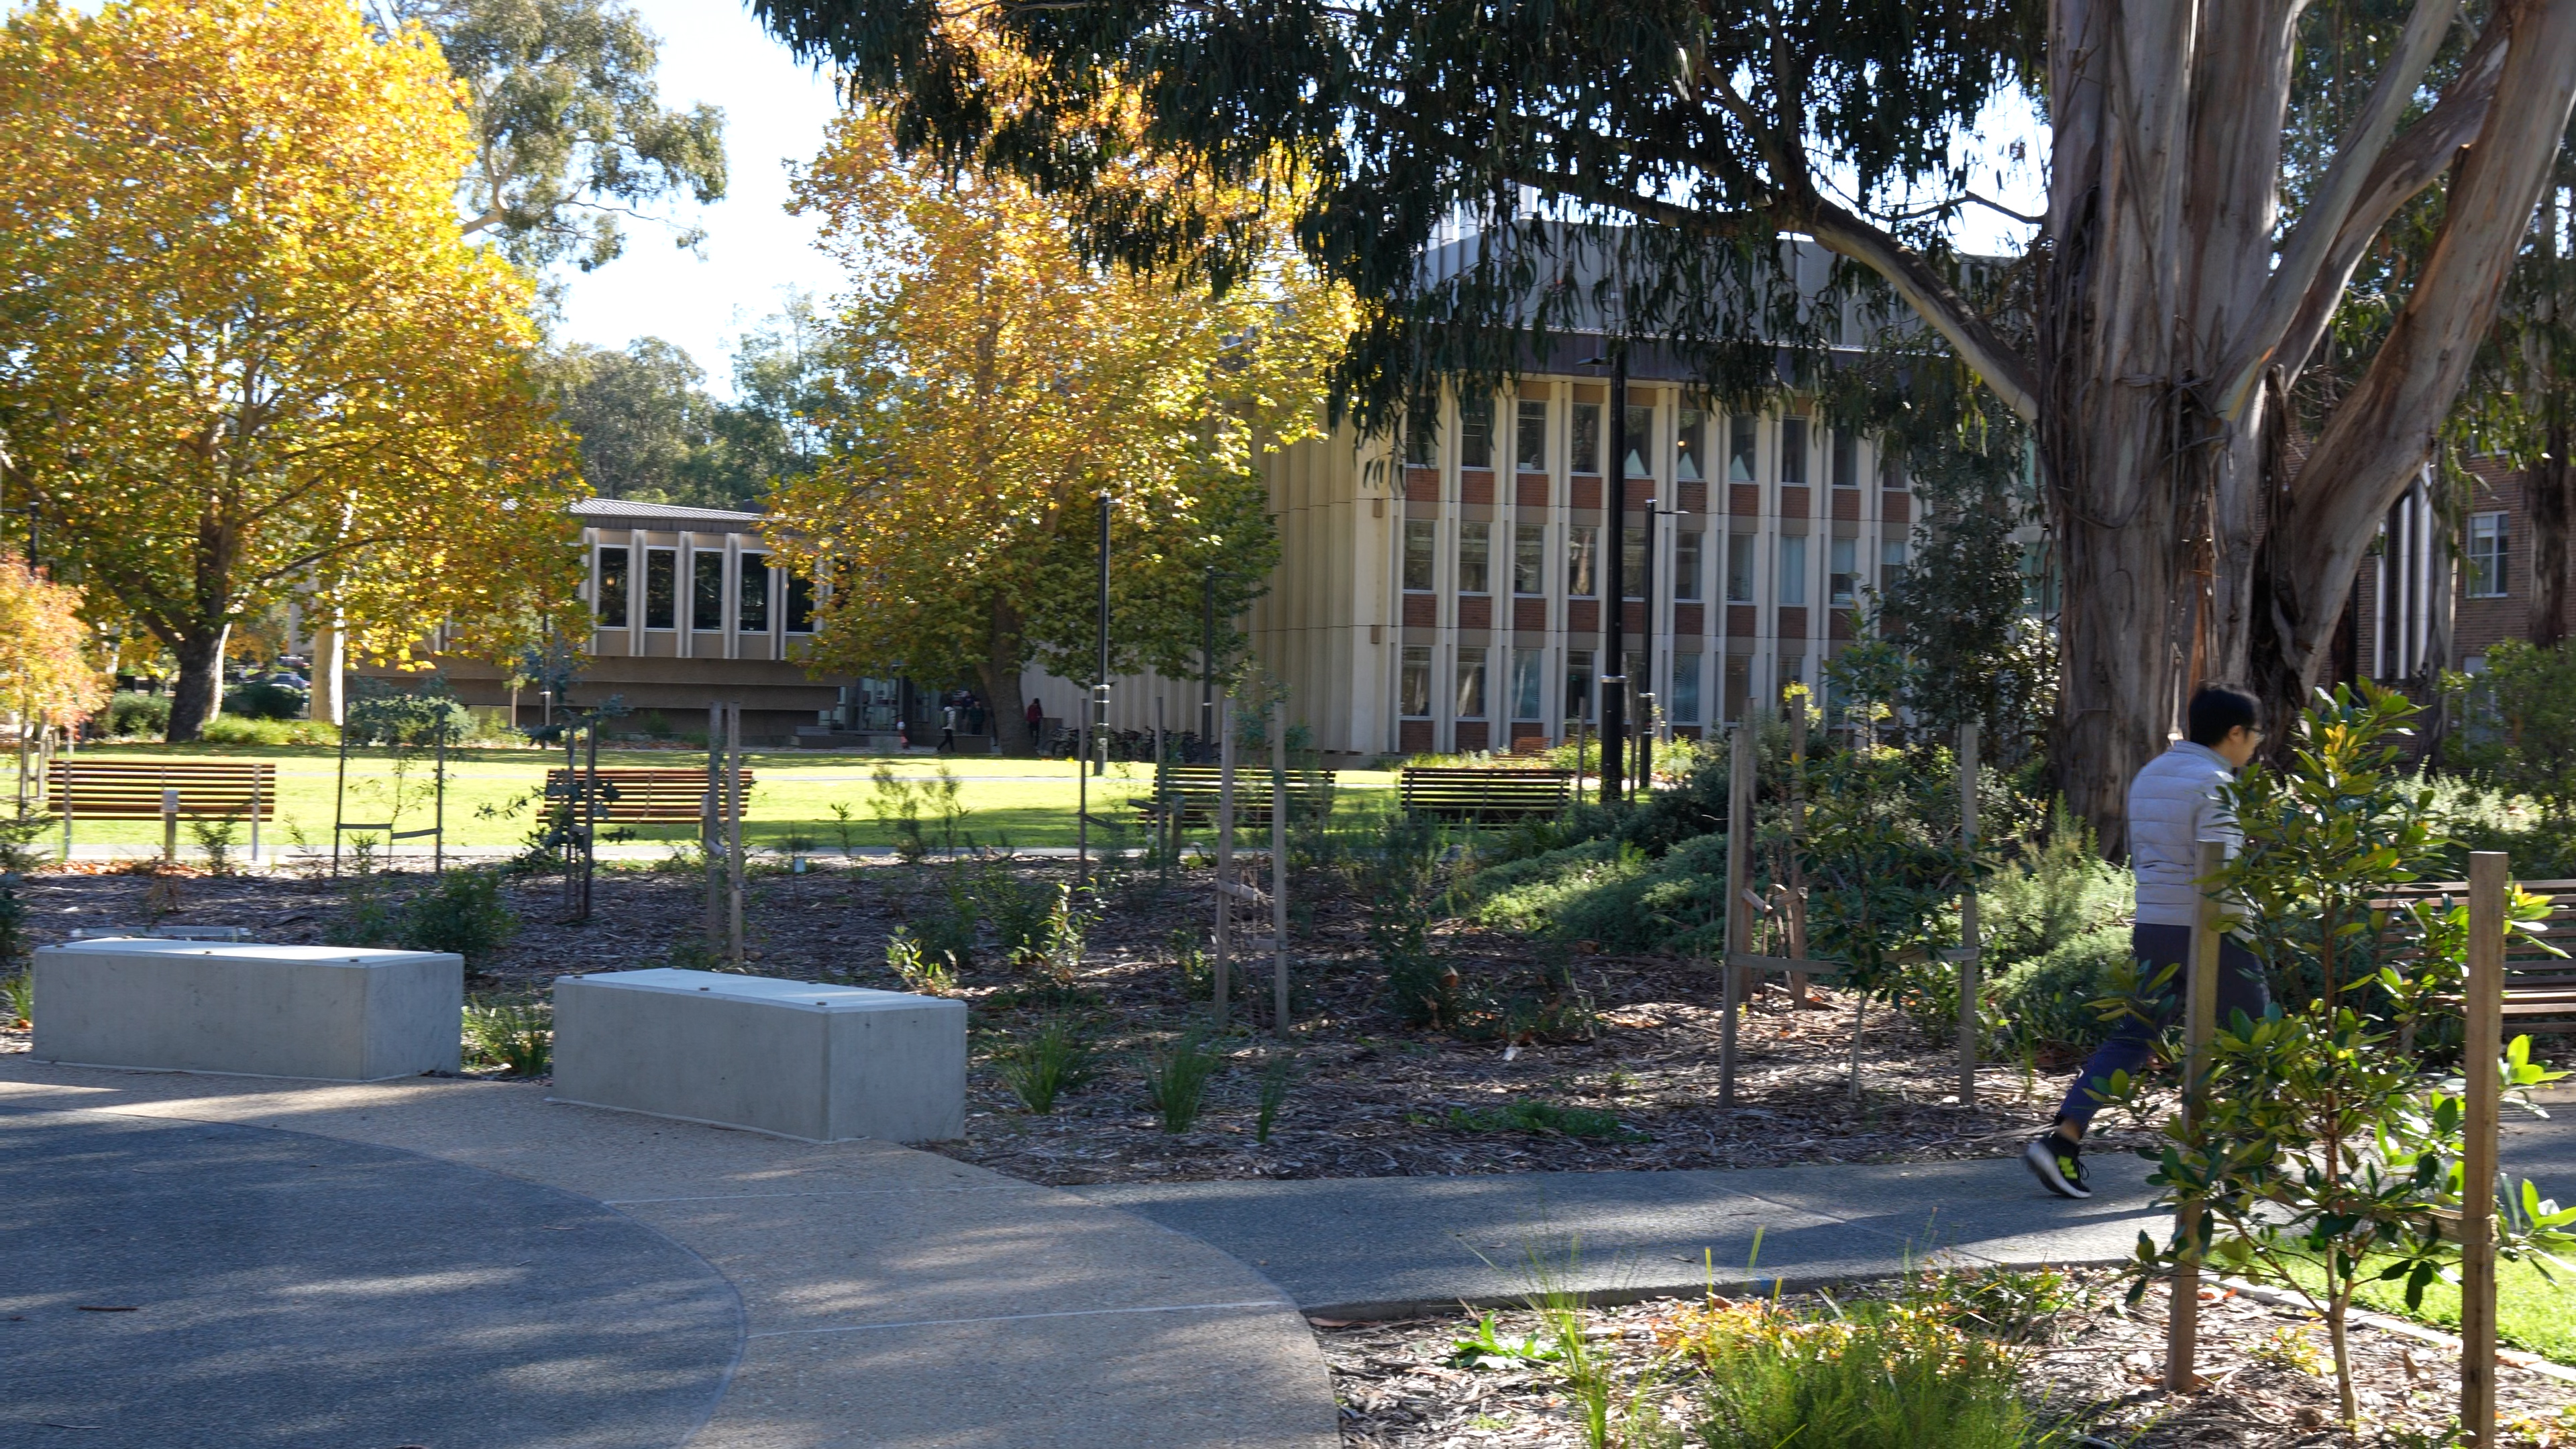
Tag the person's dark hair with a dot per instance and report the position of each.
(2218, 708)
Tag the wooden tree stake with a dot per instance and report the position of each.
(2200, 1023)
(1224, 855)
(1969, 944)
(1739, 912)
(2483, 1003)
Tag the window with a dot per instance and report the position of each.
(1846, 459)
(1793, 570)
(1684, 708)
(1686, 567)
(611, 593)
(2487, 550)
(1690, 447)
(1891, 473)
(1420, 535)
(1529, 441)
(1842, 576)
(1529, 683)
(1475, 558)
(800, 604)
(1793, 450)
(1471, 684)
(1632, 563)
(1413, 682)
(1739, 568)
(1578, 684)
(1587, 438)
(1891, 562)
(1476, 432)
(1581, 542)
(751, 595)
(1422, 434)
(706, 589)
(1641, 441)
(661, 588)
(1739, 450)
(1529, 559)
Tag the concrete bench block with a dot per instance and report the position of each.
(817, 1063)
(334, 1013)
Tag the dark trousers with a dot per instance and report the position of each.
(2241, 987)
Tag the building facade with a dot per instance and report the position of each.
(2430, 598)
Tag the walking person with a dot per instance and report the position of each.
(947, 727)
(2174, 804)
(1037, 724)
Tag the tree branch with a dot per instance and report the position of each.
(1932, 298)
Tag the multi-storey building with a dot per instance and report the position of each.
(2428, 599)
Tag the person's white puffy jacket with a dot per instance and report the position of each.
(2173, 806)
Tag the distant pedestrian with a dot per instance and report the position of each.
(2174, 804)
(947, 728)
(1037, 722)
(975, 715)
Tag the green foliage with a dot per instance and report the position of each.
(265, 699)
(133, 713)
(518, 1036)
(2519, 730)
(946, 924)
(2048, 1001)
(406, 719)
(1040, 1068)
(895, 803)
(1276, 1075)
(1528, 1114)
(1191, 960)
(1176, 1078)
(1401, 883)
(461, 912)
(18, 995)
(233, 730)
(1484, 1347)
(1874, 1376)
(369, 915)
(216, 837)
(2060, 890)
(1883, 869)
(1021, 908)
(13, 925)
(19, 832)
(920, 971)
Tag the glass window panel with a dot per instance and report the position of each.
(612, 590)
(1529, 559)
(661, 588)
(1421, 536)
(1846, 459)
(1684, 706)
(1476, 432)
(1793, 450)
(1587, 438)
(1641, 441)
(800, 604)
(1793, 571)
(2488, 541)
(1582, 542)
(1891, 561)
(1422, 434)
(1739, 568)
(1632, 562)
(1686, 566)
(751, 595)
(1578, 684)
(1471, 684)
(1843, 581)
(1475, 558)
(1529, 683)
(1413, 682)
(1529, 441)
(706, 589)
(1690, 446)
(1739, 449)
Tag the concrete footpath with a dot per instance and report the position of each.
(202, 1262)
(1384, 1247)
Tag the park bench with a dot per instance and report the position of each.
(1482, 794)
(644, 795)
(100, 789)
(1190, 791)
(2539, 989)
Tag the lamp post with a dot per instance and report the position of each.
(1207, 658)
(1100, 686)
(1614, 636)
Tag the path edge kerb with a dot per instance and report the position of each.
(1383, 1310)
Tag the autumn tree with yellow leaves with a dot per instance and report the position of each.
(47, 674)
(245, 353)
(992, 386)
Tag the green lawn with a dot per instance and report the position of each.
(1024, 802)
(2532, 1313)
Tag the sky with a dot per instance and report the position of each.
(775, 113)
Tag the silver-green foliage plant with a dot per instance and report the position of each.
(518, 1036)
(918, 971)
(1176, 1078)
(1044, 1067)
(18, 996)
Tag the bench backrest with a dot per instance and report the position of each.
(1248, 779)
(2526, 953)
(643, 795)
(132, 789)
(1452, 790)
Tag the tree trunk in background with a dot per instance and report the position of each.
(1000, 672)
(2548, 484)
(197, 699)
(326, 673)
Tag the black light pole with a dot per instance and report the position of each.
(1646, 640)
(1100, 684)
(1614, 631)
(1207, 660)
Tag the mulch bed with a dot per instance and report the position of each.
(2098, 1369)
(1370, 1097)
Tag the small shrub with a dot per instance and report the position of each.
(13, 924)
(19, 833)
(1059, 953)
(517, 1036)
(1055, 1061)
(463, 913)
(234, 730)
(2048, 1002)
(947, 928)
(1878, 1377)
(1531, 1115)
(919, 972)
(1197, 970)
(655, 725)
(133, 713)
(265, 700)
(896, 804)
(368, 915)
(215, 838)
(1019, 907)
(18, 997)
(1176, 1079)
(2061, 891)
(407, 719)
(1276, 1074)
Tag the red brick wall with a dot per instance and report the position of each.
(1475, 611)
(1421, 611)
(1413, 736)
(1633, 618)
(1529, 613)
(1587, 490)
(1793, 621)
(1530, 490)
(1688, 619)
(1846, 505)
(1896, 507)
(1692, 497)
(1471, 735)
(1794, 502)
(1475, 485)
(1421, 485)
(1739, 621)
(1583, 616)
(1744, 500)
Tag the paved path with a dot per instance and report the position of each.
(1387, 1246)
(460, 1265)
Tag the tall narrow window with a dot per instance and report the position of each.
(1587, 438)
(612, 591)
(661, 588)
(1476, 431)
(1471, 684)
(1641, 442)
(1739, 449)
(1793, 450)
(1686, 567)
(1578, 684)
(1475, 558)
(1842, 574)
(706, 589)
(1690, 446)
(1891, 562)
(800, 604)
(1413, 682)
(1529, 440)
(1684, 708)
(1846, 459)
(2488, 548)
(1582, 541)
(1529, 683)
(1632, 562)
(1739, 568)
(1422, 434)
(751, 595)
(1793, 570)
(1739, 685)
(1529, 558)
(1421, 537)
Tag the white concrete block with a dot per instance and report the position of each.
(336, 1013)
(819, 1063)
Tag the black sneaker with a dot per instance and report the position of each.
(2057, 1163)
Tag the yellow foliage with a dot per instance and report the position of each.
(46, 673)
(244, 351)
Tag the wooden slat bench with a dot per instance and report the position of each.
(1483, 794)
(2540, 989)
(1191, 791)
(132, 789)
(645, 795)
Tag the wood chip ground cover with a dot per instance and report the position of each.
(2096, 1370)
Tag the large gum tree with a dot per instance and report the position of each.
(1630, 165)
